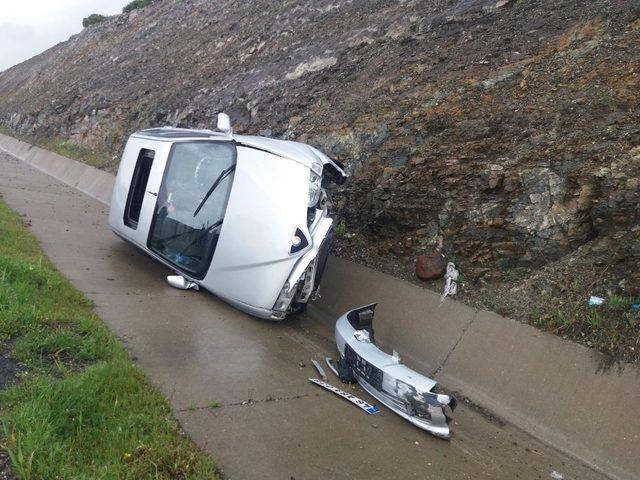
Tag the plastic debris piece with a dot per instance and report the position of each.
(367, 407)
(332, 367)
(593, 300)
(319, 369)
(450, 277)
(556, 475)
(635, 307)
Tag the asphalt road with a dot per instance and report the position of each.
(272, 423)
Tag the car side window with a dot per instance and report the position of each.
(138, 188)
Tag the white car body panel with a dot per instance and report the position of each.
(123, 181)
(267, 204)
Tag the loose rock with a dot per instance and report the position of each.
(430, 266)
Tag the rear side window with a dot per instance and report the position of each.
(138, 188)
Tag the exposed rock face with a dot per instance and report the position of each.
(506, 132)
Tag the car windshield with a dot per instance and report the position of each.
(185, 228)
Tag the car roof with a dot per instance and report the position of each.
(173, 133)
(282, 148)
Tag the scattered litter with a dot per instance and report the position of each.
(367, 407)
(593, 300)
(332, 367)
(556, 475)
(450, 286)
(319, 369)
(408, 393)
(635, 307)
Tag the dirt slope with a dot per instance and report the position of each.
(505, 132)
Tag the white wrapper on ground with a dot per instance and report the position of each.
(450, 277)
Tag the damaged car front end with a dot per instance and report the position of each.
(409, 394)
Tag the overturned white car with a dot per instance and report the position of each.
(243, 217)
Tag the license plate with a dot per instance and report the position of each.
(363, 369)
(367, 407)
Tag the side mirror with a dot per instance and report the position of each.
(224, 123)
(181, 283)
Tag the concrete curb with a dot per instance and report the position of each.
(551, 388)
(89, 180)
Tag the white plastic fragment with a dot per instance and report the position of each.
(319, 369)
(593, 300)
(331, 366)
(450, 286)
(556, 475)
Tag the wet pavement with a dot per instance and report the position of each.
(271, 422)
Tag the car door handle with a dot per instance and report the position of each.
(155, 194)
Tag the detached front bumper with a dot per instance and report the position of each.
(406, 392)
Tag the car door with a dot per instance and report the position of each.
(135, 193)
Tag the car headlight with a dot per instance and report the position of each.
(315, 188)
(315, 183)
(284, 300)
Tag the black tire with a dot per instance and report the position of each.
(323, 256)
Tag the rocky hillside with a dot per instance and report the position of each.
(505, 132)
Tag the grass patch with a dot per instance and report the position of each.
(563, 309)
(66, 148)
(136, 4)
(93, 19)
(81, 409)
(82, 154)
(611, 327)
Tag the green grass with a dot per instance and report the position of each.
(71, 150)
(135, 4)
(81, 409)
(612, 328)
(93, 19)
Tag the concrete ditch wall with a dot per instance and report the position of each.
(87, 179)
(552, 388)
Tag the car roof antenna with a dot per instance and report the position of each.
(224, 124)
